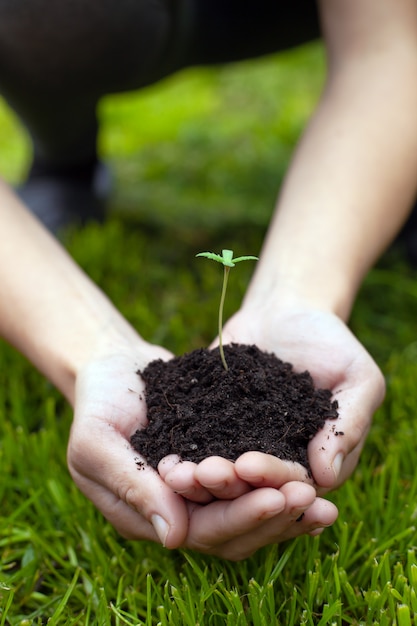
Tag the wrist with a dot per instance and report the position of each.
(300, 289)
(119, 343)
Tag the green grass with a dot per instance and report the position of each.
(198, 160)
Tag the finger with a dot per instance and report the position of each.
(319, 515)
(292, 522)
(181, 478)
(127, 522)
(167, 463)
(250, 522)
(219, 477)
(316, 512)
(221, 520)
(128, 492)
(265, 470)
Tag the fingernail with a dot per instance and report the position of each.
(337, 463)
(161, 528)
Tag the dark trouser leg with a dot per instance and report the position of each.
(232, 30)
(407, 238)
(56, 61)
(65, 184)
(61, 58)
(63, 128)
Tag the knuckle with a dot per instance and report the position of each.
(129, 494)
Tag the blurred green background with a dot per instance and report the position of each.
(197, 162)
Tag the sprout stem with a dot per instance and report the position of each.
(221, 307)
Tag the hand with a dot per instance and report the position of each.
(109, 407)
(236, 508)
(320, 342)
(235, 529)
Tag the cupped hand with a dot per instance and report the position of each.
(321, 343)
(109, 407)
(235, 529)
(312, 340)
(237, 508)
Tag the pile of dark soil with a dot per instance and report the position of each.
(198, 409)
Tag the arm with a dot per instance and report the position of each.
(53, 313)
(347, 192)
(49, 309)
(353, 176)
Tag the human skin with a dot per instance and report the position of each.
(344, 198)
(356, 161)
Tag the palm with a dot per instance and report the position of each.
(109, 407)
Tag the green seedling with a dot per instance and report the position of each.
(227, 260)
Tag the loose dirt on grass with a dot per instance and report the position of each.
(198, 409)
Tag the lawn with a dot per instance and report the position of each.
(197, 162)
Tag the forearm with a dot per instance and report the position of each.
(49, 309)
(348, 190)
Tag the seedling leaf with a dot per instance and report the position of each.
(245, 258)
(212, 256)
